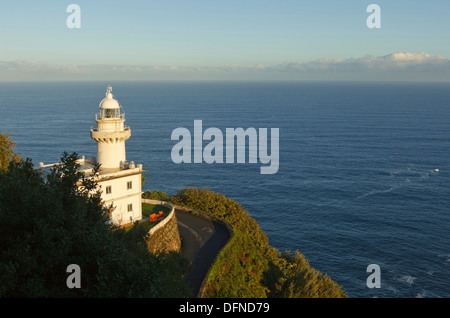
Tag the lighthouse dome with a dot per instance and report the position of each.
(109, 102)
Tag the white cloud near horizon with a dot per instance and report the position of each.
(395, 66)
(400, 61)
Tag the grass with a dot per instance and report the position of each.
(148, 208)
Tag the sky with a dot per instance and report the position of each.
(225, 40)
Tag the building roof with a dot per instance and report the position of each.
(109, 102)
(86, 166)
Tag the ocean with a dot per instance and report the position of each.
(363, 175)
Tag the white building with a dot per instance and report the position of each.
(119, 181)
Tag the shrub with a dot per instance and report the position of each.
(155, 195)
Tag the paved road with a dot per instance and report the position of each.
(201, 242)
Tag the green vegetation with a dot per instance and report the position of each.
(155, 195)
(7, 153)
(145, 226)
(148, 208)
(46, 225)
(248, 266)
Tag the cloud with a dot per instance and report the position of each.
(33, 67)
(401, 61)
(399, 65)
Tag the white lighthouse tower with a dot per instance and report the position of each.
(110, 133)
(120, 182)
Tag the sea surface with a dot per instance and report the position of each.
(356, 183)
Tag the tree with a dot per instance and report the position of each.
(48, 224)
(6, 152)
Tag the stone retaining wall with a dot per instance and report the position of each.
(164, 236)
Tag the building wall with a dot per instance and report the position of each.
(110, 155)
(121, 197)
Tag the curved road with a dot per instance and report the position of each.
(201, 242)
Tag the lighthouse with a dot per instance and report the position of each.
(111, 133)
(119, 182)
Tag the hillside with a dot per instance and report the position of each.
(248, 266)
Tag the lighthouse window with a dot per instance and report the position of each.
(109, 112)
(129, 185)
(108, 189)
(130, 207)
